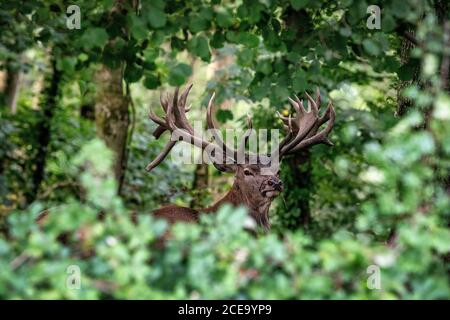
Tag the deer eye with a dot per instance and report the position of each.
(247, 172)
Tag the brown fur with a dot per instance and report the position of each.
(248, 190)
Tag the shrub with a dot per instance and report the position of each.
(217, 258)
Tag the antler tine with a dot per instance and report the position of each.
(312, 106)
(164, 102)
(300, 103)
(286, 121)
(287, 124)
(321, 137)
(178, 123)
(163, 125)
(155, 118)
(178, 110)
(160, 122)
(184, 95)
(209, 120)
(301, 134)
(297, 106)
(170, 117)
(318, 97)
(175, 97)
(283, 118)
(161, 156)
(286, 139)
(214, 131)
(303, 131)
(326, 115)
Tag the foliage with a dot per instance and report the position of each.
(379, 197)
(215, 259)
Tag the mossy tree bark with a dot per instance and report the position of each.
(12, 92)
(442, 8)
(47, 106)
(403, 103)
(296, 173)
(112, 116)
(12, 87)
(297, 181)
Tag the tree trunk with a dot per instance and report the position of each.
(43, 128)
(112, 117)
(297, 191)
(403, 103)
(296, 173)
(199, 184)
(442, 11)
(12, 88)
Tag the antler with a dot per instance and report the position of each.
(303, 128)
(175, 118)
(176, 123)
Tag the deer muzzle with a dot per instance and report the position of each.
(272, 187)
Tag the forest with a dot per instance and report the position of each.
(86, 100)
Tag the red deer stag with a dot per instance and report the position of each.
(252, 187)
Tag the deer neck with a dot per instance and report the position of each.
(257, 208)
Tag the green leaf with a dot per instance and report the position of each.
(203, 49)
(248, 39)
(132, 73)
(224, 115)
(157, 38)
(151, 81)
(298, 4)
(245, 57)
(83, 87)
(94, 37)
(242, 12)
(371, 47)
(179, 74)
(442, 107)
(264, 66)
(391, 63)
(224, 18)
(67, 64)
(197, 24)
(200, 47)
(281, 92)
(156, 17)
(151, 53)
(345, 31)
(217, 40)
(299, 81)
(232, 36)
(206, 13)
(388, 23)
(138, 27)
(406, 71)
(430, 64)
(254, 14)
(199, 21)
(148, 65)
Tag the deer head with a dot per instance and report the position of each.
(257, 180)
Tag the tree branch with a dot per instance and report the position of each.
(445, 64)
